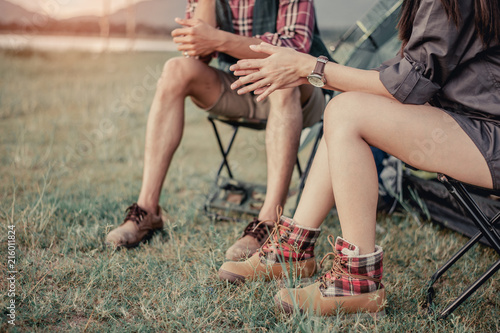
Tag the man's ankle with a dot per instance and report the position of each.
(148, 207)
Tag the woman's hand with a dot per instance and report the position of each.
(283, 68)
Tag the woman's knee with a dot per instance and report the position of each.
(344, 114)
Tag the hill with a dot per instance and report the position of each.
(154, 13)
(157, 17)
(153, 17)
(13, 13)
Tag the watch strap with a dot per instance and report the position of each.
(319, 69)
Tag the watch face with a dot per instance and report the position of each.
(316, 80)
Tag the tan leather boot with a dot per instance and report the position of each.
(256, 267)
(289, 248)
(138, 226)
(353, 285)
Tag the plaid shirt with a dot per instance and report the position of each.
(295, 24)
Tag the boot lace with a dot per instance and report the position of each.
(338, 269)
(135, 213)
(256, 230)
(277, 236)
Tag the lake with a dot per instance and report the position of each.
(82, 43)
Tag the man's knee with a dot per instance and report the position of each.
(285, 107)
(177, 73)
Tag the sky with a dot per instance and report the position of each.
(330, 12)
(68, 8)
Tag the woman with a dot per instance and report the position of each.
(436, 106)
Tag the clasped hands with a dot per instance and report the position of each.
(195, 38)
(282, 68)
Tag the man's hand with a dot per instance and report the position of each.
(196, 38)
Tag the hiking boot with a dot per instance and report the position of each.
(138, 226)
(254, 236)
(288, 249)
(353, 285)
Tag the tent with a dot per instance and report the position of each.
(372, 39)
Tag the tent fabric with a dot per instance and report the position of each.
(373, 39)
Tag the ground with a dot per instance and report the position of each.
(72, 135)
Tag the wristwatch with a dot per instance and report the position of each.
(317, 77)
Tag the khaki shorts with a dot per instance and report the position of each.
(232, 105)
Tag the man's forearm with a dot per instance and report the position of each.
(222, 41)
(237, 46)
(205, 11)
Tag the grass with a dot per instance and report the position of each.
(72, 131)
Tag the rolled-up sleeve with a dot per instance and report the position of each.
(405, 80)
(430, 56)
(294, 27)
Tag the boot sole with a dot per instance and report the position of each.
(231, 277)
(289, 309)
(146, 238)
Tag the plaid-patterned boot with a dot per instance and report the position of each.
(288, 245)
(352, 285)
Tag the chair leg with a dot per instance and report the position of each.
(472, 288)
(459, 192)
(299, 167)
(224, 152)
(431, 291)
(486, 228)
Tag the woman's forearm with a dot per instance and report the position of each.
(343, 78)
(286, 68)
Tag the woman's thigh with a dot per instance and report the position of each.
(420, 135)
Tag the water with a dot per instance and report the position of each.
(81, 43)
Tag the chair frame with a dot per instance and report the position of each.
(486, 229)
(225, 149)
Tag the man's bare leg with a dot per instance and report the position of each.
(284, 126)
(181, 77)
(283, 130)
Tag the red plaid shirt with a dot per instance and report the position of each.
(295, 24)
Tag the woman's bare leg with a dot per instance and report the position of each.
(317, 198)
(422, 136)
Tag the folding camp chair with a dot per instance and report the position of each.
(229, 194)
(487, 229)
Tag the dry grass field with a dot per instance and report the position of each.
(72, 131)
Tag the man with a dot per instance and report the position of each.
(225, 29)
